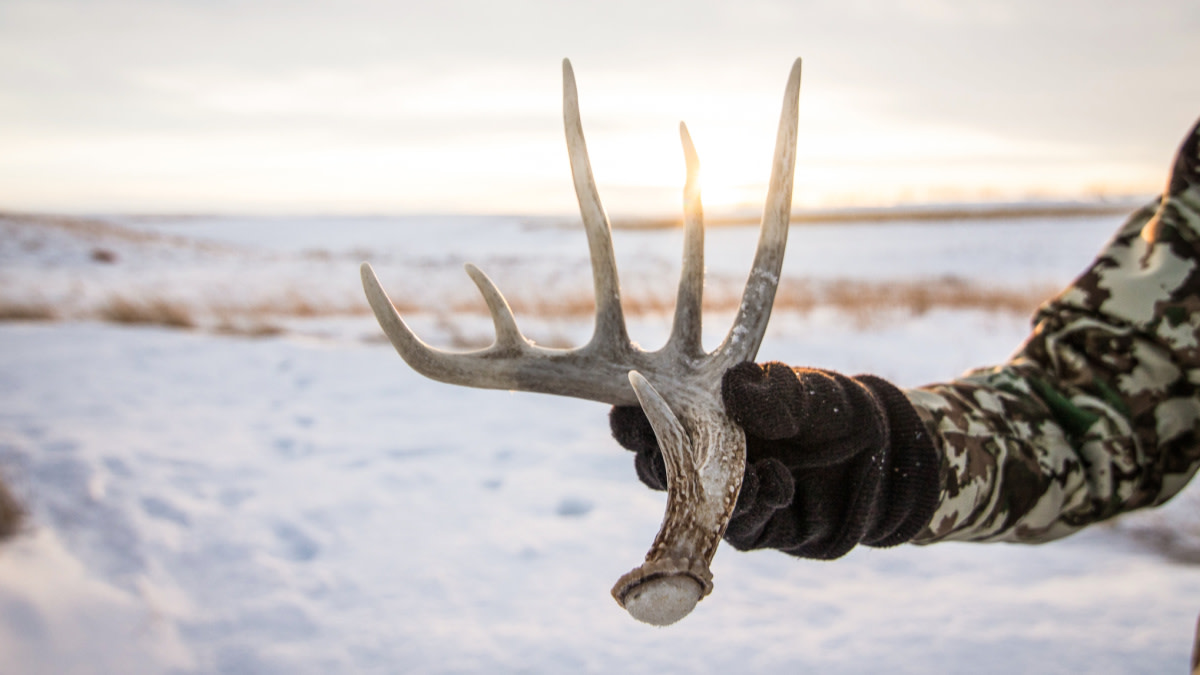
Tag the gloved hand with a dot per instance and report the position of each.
(832, 461)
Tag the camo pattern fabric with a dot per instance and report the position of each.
(1098, 413)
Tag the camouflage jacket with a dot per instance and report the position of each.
(1098, 412)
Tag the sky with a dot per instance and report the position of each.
(363, 106)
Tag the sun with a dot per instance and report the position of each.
(643, 170)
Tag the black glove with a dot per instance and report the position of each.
(832, 461)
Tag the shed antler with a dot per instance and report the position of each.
(678, 386)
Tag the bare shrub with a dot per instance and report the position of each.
(154, 311)
(12, 515)
(104, 255)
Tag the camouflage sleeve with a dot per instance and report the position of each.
(1098, 412)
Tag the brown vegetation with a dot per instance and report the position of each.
(888, 214)
(11, 310)
(12, 515)
(860, 299)
(100, 231)
(254, 328)
(153, 311)
(104, 255)
(867, 303)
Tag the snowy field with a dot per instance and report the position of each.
(267, 488)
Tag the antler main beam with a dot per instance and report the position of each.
(678, 386)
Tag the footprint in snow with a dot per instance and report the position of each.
(117, 467)
(294, 544)
(573, 507)
(289, 448)
(156, 507)
(60, 446)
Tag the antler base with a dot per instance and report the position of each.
(662, 592)
(662, 601)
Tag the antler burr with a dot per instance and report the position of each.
(678, 386)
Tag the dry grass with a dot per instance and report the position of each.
(455, 337)
(99, 230)
(258, 319)
(578, 306)
(865, 301)
(152, 311)
(868, 302)
(11, 310)
(295, 305)
(888, 214)
(253, 328)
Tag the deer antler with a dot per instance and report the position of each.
(678, 386)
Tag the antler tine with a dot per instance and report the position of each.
(610, 335)
(743, 340)
(667, 428)
(508, 336)
(511, 363)
(686, 330)
(424, 359)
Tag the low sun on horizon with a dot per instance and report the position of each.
(139, 107)
(272, 158)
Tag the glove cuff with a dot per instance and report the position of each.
(909, 491)
(880, 489)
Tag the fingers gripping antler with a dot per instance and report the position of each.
(678, 386)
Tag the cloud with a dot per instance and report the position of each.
(1033, 83)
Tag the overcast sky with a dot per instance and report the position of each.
(455, 105)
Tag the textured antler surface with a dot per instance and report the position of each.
(678, 386)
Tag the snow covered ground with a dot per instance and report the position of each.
(206, 501)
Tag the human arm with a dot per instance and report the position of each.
(1097, 414)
